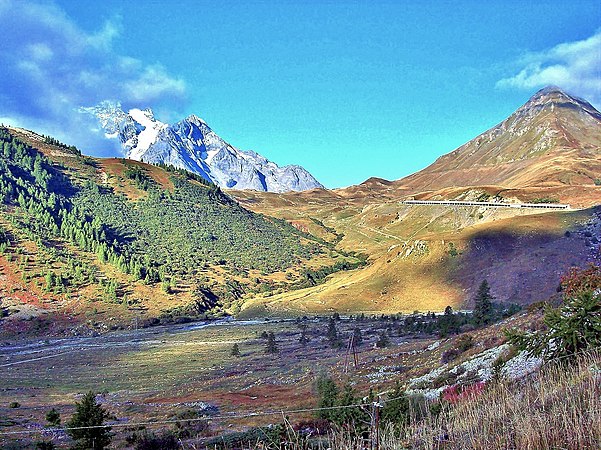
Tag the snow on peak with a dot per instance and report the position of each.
(191, 145)
(148, 135)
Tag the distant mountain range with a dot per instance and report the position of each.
(192, 145)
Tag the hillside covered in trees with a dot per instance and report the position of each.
(154, 241)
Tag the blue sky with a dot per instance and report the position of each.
(348, 89)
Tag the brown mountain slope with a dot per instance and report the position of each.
(428, 257)
(553, 139)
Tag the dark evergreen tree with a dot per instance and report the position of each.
(357, 337)
(383, 341)
(53, 418)
(571, 328)
(88, 413)
(303, 339)
(349, 417)
(332, 333)
(397, 409)
(447, 323)
(235, 350)
(483, 307)
(271, 347)
(327, 392)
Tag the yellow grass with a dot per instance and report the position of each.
(558, 408)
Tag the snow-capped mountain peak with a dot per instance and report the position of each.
(192, 145)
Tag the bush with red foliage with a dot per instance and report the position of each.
(455, 394)
(579, 280)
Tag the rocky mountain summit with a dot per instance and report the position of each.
(554, 138)
(192, 145)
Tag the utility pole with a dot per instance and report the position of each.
(351, 348)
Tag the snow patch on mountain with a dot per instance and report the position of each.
(149, 133)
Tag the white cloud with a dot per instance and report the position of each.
(153, 82)
(574, 66)
(49, 67)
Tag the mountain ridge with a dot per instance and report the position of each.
(553, 138)
(192, 145)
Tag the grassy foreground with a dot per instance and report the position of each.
(557, 408)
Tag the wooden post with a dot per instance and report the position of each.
(378, 406)
(374, 432)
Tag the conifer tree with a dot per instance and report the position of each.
(348, 416)
(332, 333)
(88, 413)
(235, 350)
(483, 307)
(271, 347)
(53, 418)
(303, 339)
(383, 341)
(357, 337)
(327, 391)
(397, 409)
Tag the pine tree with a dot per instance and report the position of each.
(53, 418)
(447, 323)
(332, 333)
(571, 328)
(383, 341)
(327, 391)
(303, 339)
(271, 347)
(348, 416)
(235, 350)
(88, 413)
(397, 409)
(483, 307)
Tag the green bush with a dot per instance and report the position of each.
(570, 328)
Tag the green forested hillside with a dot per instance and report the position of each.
(184, 236)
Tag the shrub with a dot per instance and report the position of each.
(444, 379)
(464, 343)
(164, 440)
(190, 424)
(449, 355)
(455, 394)
(573, 326)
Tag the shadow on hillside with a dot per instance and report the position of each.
(524, 267)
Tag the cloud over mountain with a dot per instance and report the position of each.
(576, 66)
(49, 67)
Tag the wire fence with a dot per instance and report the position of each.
(282, 412)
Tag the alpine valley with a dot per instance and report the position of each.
(206, 298)
(159, 242)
